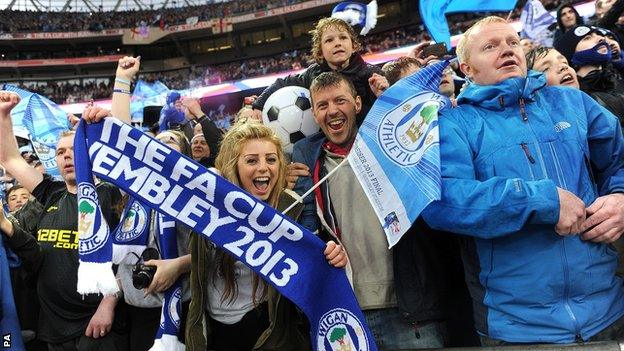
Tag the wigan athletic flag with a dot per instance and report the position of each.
(275, 247)
(396, 154)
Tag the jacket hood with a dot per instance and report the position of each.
(579, 19)
(503, 94)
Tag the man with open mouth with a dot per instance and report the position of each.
(586, 49)
(518, 164)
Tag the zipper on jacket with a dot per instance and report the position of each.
(566, 292)
(523, 113)
(416, 332)
(527, 152)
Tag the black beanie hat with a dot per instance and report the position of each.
(566, 44)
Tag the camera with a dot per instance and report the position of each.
(142, 274)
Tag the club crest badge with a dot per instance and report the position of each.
(174, 307)
(340, 330)
(133, 224)
(92, 228)
(406, 132)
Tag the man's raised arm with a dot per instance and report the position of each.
(10, 157)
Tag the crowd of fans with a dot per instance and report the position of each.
(198, 76)
(68, 92)
(12, 21)
(524, 246)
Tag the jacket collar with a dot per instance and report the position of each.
(504, 94)
(601, 80)
(355, 64)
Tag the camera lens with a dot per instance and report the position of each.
(141, 280)
(142, 276)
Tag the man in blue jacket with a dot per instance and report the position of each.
(532, 175)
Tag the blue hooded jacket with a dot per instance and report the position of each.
(504, 151)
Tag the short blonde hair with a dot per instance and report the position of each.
(319, 29)
(66, 133)
(462, 51)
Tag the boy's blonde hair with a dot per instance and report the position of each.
(321, 26)
(462, 51)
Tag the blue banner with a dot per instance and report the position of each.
(433, 13)
(396, 154)
(283, 253)
(41, 120)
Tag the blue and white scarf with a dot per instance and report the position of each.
(132, 233)
(132, 236)
(282, 252)
(169, 328)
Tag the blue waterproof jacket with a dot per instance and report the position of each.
(504, 151)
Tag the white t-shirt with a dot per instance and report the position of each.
(231, 312)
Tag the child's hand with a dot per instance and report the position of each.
(335, 255)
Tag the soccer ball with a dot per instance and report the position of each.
(288, 112)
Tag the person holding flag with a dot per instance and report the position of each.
(536, 24)
(532, 176)
(389, 285)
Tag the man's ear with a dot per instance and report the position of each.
(466, 69)
(358, 104)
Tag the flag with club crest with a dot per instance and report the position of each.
(396, 154)
(42, 121)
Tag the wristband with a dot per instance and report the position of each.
(122, 81)
(199, 119)
(122, 91)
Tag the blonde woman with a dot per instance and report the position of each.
(231, 307)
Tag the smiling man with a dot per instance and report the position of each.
(531, 175)
(399, 290)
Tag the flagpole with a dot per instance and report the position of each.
(300, 200)
(509, 15)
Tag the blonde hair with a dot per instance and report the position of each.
(66, 133)
(180, 139)
(319, 29)
(462, 51)
(227, 162)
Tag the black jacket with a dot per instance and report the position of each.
(610, 19)
(358, 72)
(601, 85)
